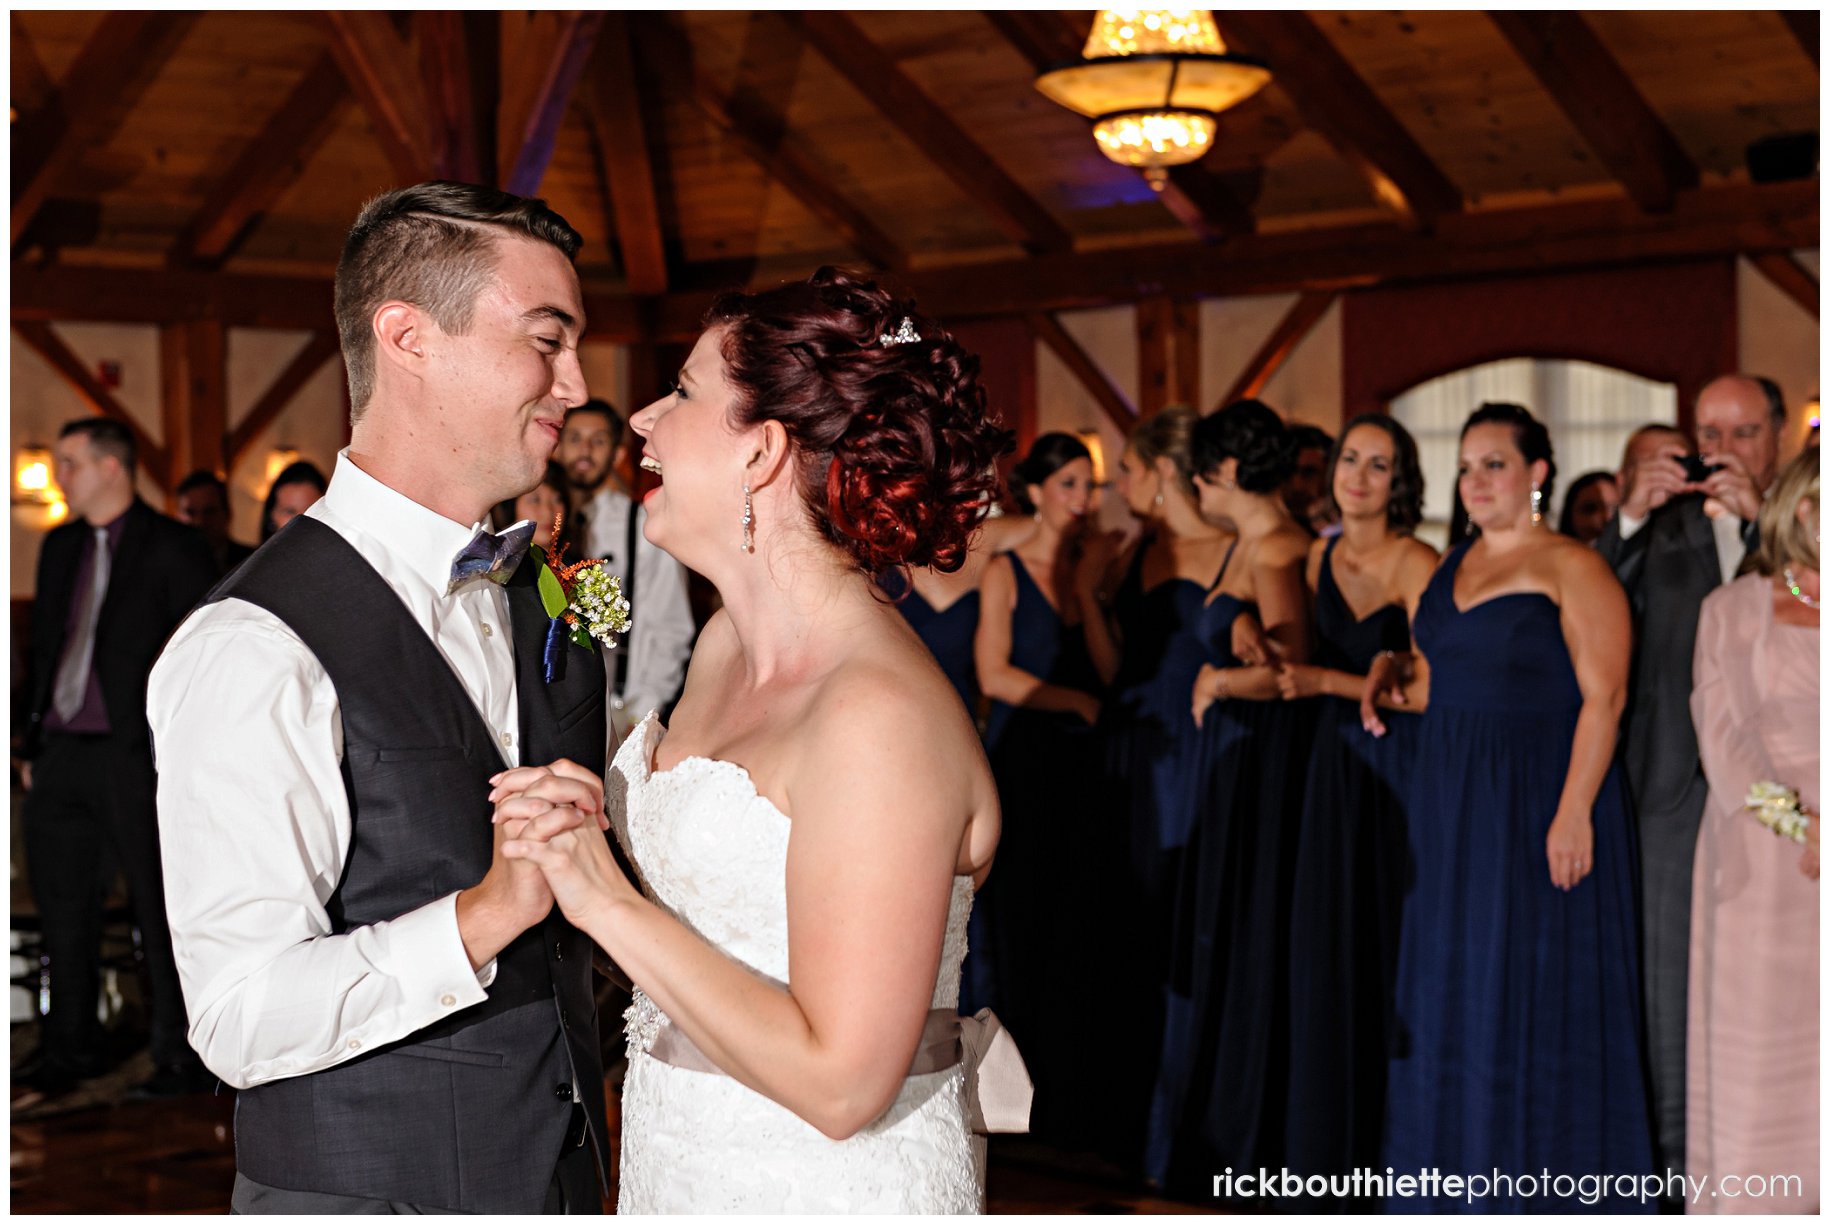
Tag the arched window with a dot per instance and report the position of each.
(1589, 410)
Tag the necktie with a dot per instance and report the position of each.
(491, 556)
(73, 673)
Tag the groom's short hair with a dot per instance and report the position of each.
(432, 244)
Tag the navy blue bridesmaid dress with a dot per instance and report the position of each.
(1219, 1093)
(1148, 738)
(1031, 922)
(948, 632)
(1518, 1044)
(1351, 861)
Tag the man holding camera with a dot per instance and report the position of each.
(1684, 524)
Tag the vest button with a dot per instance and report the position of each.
(563, 1092)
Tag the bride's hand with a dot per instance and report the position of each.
(529, 791)
(579, 869)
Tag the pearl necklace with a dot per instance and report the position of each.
(1798, 594)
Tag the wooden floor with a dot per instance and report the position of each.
(97, 1153)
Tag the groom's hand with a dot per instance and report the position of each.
(513, 895)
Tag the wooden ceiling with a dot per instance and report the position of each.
(171, 166)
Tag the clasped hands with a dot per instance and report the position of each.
(1252, 647)
(549, 834)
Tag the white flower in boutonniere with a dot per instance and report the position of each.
(1777, 807)
(584, 602)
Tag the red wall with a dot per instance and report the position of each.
(1670, 322)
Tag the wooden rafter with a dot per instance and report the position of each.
(1155, 355)
(1602, 104)
(270, 164)
(193, 396)
(1185, 326)
(458, 56)
(742, 117)
(1783, 269)
(42, 340)
(286, 385)
(121, 58)
(1290, 331)
(1047, 329)
(1803, 23)
(539, 72)
(614, 109)
(1337, 103)
(32, 88)
(385, 79)
(930, 129)
(1193, 195)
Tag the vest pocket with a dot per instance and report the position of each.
(436, 753)
(451, 1054)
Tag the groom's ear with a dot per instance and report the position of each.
(400, 337)
(771, 458)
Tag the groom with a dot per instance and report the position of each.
(409, 1019)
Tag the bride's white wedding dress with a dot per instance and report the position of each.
(713, 852)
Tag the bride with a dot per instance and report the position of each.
(809, 829)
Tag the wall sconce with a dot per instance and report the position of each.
(1091, 440)
(278, 460)
(36, 497)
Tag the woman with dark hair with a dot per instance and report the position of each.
(545, 506)
(1590, 503)
(1518, 998)
(1025, 948)
(292, 493)
(809, 830)
(1350, 859)
(1219, 1101)
(1146, 645)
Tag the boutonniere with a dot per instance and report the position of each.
(585, 604)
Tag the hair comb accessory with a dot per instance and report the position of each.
(904, 333)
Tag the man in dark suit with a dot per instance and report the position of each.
(1672, 542)
(203, 503)
(112, 585)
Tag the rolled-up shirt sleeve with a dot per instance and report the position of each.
(254, 828)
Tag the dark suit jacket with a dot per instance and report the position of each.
(159, 572)
(1667, 567)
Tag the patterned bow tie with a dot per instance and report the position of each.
(491, 556)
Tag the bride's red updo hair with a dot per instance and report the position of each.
(894, 447)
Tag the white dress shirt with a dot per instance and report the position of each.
(1727, 528)
(254, 822)
(661, 637)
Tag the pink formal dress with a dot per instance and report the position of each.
(1752, 1079)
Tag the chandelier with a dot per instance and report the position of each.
(1153, 81)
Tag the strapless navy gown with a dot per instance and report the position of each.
(1351, 862)
(948, 632)
(1219, 1095)
(1518, 1022)
(1027, 946)
(1148, 739)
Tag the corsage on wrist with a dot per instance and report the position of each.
(1777, 807)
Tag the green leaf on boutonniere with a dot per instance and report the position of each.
(552, 593)
(581, 637)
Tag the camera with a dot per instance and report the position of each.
(1695, 470)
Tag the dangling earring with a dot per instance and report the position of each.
(1537, 500)
(1158, 500)
(749, 517)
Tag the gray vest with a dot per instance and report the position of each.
(470, 1113)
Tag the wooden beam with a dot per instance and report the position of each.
(741, 116)
(33, 90)
(73, 370)
(1803, 24)
(537, 84)
(286, 385)
(270, 164)
(123, 55)
(1047, 329)
(385, 79)
(1193, 195)
(930, 129)
(457, 71)
(1784, 270)
(618, 121)
(1602, 103)
(193, 397)
(1155, 342)
(1185, 329)
(1290, 331)
(1337, 103)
